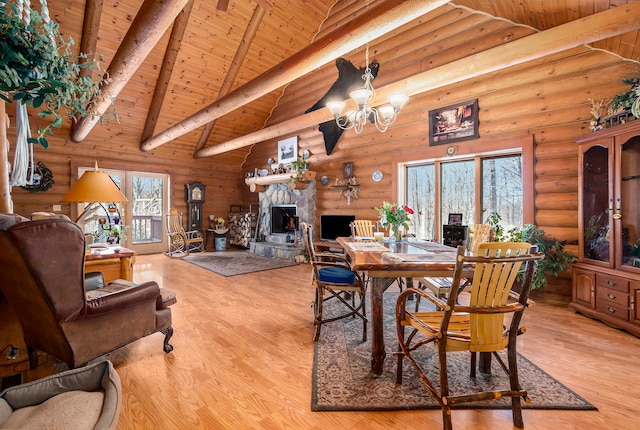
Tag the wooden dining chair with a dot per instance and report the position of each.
(477, 327)
(440, 286)
(332, 276)
(182, 242)
(364, 227)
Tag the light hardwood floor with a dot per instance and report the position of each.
(243, 357)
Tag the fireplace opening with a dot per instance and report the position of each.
(284, 219)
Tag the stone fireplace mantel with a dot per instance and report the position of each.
(276, 245)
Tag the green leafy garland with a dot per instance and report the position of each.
(36, 72)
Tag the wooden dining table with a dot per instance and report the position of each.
(383, 263)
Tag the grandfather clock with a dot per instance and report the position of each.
(194, 195)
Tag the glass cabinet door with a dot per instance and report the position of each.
(595, 204)
(626, 212)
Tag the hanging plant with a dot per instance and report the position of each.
(38, 69)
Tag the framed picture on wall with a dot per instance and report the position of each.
(288, 150)
(453, 123)
(455, 219)
(347, 170)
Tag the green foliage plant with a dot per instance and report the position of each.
(628, 99)
(39, 69)
(556, 259)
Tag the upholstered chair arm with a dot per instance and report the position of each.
(121, 298)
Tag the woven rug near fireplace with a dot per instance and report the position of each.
(342, 362)
(236, 262)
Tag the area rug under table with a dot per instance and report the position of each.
(236, 262)
(341, 380)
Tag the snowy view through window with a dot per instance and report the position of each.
(498, 180)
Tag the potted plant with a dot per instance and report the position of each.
(628, 100)
(555, 259)
(38, 69)
(299, 165)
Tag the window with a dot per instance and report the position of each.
(474, 187)
(143, 217)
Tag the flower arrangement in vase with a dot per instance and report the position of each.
(396, 217)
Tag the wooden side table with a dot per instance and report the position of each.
(210, 233)
(113, 265)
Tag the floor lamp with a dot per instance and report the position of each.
(94, 187)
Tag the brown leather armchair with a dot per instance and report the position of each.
(42, 278)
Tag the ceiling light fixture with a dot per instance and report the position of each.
(382, 117)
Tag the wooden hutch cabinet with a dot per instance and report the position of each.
(606, 280)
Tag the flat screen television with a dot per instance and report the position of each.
(333, 226)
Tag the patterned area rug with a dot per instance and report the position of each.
(342, 362)
(235, 263)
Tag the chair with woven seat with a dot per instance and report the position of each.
(442, 285)
(181, 242)
(332, 276)
(477, 327)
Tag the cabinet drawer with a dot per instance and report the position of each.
(610, 281)
(613, 309)
(615, 296)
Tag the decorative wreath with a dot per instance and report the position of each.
(42, 178)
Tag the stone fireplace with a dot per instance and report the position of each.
(281, 242)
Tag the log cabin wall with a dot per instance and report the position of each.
(547, 99)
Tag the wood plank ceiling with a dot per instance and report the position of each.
(219, 46)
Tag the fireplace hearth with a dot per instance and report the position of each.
(275, 237)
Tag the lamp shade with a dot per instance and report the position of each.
(94, 186)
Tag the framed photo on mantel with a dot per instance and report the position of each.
(288, 150)
(453, 123)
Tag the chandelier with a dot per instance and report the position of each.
(382, 117)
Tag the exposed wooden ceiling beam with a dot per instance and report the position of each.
(90, 29)
(149, 25)
(376, 22)
(266, 4)
(168, 62)
(567, 36)
(234, 69)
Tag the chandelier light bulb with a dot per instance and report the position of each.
(336, 107)
(361, 97)
(398, 100)
(387, 113)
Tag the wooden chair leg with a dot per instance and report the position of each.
(516, 401)
(400, 359)
(364, 313)
(444, 384)
(317, 320)
(168, 332)
(33, 357)
(474, 365)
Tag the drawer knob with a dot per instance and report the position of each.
(611, 283)
(611, 309)
(611, 296)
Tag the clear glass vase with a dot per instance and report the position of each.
(395, 233)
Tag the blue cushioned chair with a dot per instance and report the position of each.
(331, 277)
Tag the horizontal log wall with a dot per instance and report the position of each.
(547, 98)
